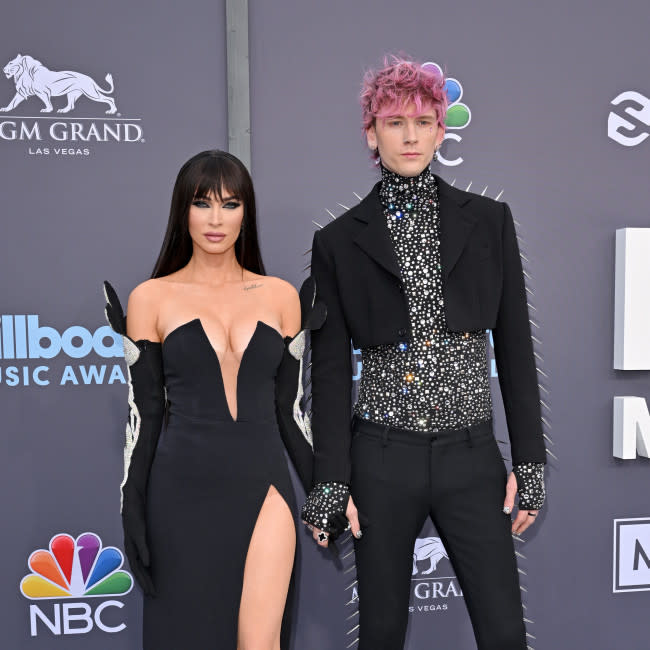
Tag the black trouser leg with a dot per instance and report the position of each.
(468, 482)
(390, 486)
(459, 479)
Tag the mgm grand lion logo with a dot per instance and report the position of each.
(33, 78)
(432, 593)
(428, 549)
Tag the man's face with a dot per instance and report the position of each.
(406, 144)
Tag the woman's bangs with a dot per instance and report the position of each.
(219, 180)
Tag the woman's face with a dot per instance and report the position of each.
(215, 225)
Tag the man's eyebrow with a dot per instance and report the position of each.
(400, 116)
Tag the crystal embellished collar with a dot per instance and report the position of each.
(398, 191)
(404, 195)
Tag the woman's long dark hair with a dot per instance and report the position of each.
(209, 173)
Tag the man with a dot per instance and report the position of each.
(414, 275)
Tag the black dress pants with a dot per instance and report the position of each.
(458, 478)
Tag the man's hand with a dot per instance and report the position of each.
(352, 515)
(524, 518)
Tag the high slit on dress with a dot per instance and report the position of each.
(209, 478)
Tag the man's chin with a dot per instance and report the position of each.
(408, 168)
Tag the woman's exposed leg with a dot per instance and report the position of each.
(267, 574)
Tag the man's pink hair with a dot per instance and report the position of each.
(400, 82)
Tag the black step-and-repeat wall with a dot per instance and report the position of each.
(551, 112)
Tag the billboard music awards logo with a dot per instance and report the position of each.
(628, 122)
(458, 114)
(75, 569)
(25, 343)
(36, 85)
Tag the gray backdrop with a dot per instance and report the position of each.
(69, 222)
(538, 79)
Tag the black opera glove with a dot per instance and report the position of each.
(325, 507)
(146, 410)
(294, 423)
(530, 485)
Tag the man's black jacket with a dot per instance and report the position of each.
(357, 275)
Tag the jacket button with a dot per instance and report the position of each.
(401, 332)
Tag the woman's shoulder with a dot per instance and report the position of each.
(151, 296)
(281, 289)
(285, 296)
(143, 308)
(147, 292)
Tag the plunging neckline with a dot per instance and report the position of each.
(216, 356)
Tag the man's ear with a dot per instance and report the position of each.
(441, 137)
(371, 137)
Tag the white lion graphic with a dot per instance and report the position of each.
(33, 78)
(428, 548)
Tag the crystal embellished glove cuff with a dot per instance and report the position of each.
(530, 485)
(326, 505)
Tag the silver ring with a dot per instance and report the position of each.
(358, 534)
(323, 537)
(507, 510)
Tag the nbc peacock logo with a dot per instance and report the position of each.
(458, 113)
(71, 569)
(76, 568)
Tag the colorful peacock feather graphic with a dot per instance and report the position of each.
(78, 568)
(458, 114)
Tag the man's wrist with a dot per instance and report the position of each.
(530, 485)
(326, 499)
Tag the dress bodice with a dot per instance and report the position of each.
(194, 380)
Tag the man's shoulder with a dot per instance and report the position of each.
(339, 227)
(350, 221)
(471, 200)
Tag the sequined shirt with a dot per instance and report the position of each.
(438, 379)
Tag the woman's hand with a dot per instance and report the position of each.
(524, 518)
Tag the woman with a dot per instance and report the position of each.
(208, 509)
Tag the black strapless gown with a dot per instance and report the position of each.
(208, 481)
